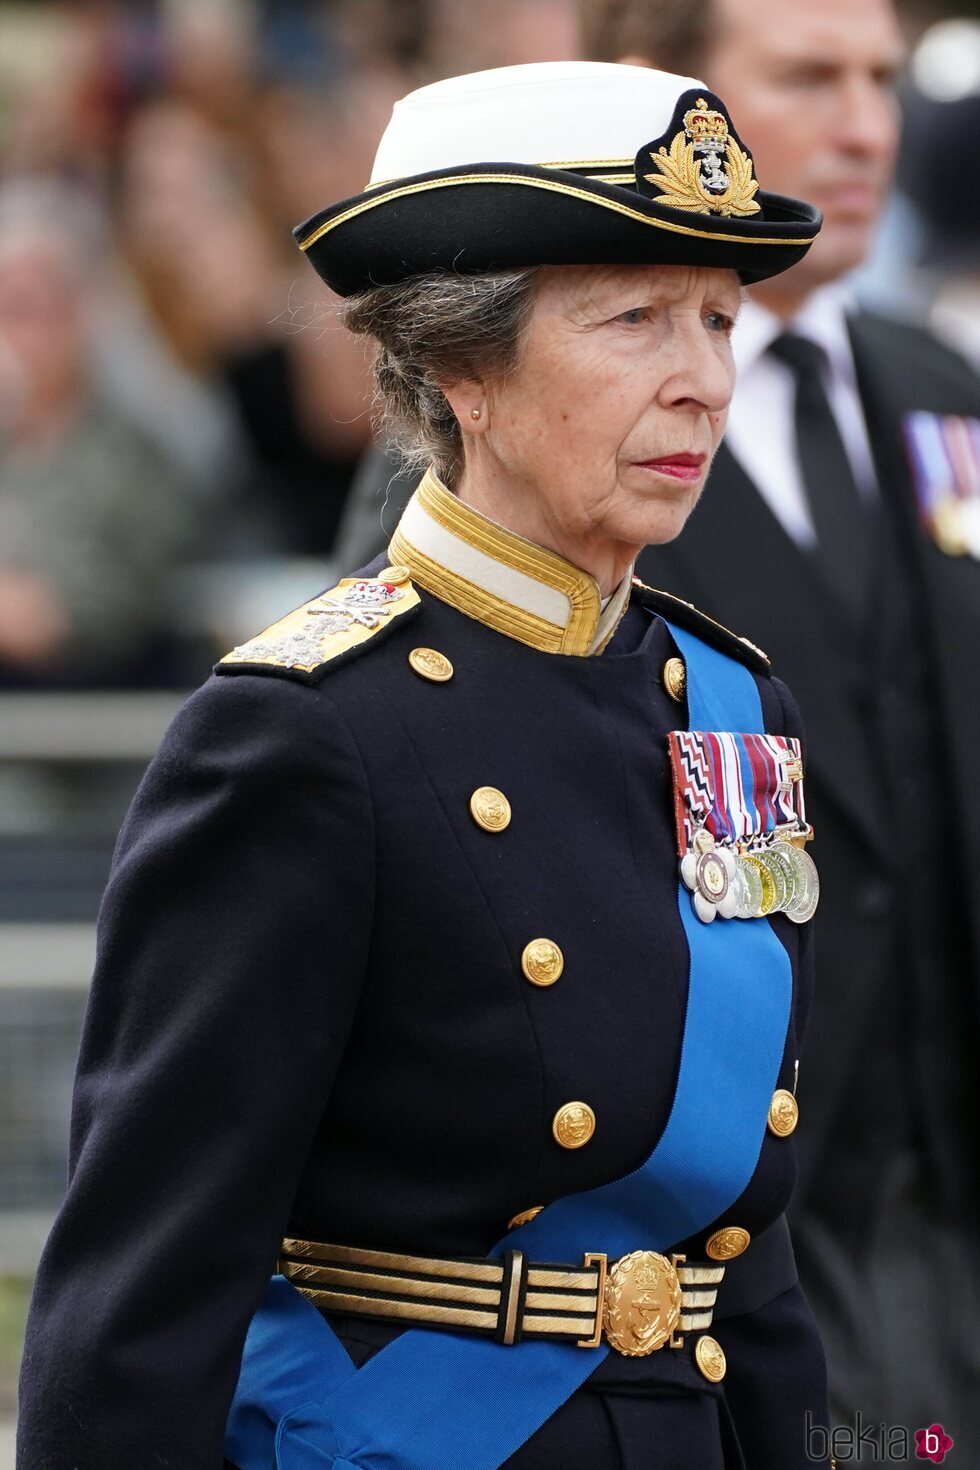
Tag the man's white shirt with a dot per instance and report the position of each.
(761, 432)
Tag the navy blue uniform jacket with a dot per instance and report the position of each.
(309, 1017)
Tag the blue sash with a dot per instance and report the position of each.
(434, 1400)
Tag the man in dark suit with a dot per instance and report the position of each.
(834, 527)
(833, 530)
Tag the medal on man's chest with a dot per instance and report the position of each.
(944, 455)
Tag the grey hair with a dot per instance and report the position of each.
(434, 330)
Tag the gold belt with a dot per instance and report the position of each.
(639, 1303)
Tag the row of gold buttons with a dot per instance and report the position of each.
(542, 963)
(542, 960)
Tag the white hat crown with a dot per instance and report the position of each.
(558, 113)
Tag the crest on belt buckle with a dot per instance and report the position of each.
(643, 1303)
(703, 167)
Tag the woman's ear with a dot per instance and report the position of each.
(468, 401)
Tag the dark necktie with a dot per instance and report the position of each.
(840, 517)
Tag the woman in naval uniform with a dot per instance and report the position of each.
(397, 980)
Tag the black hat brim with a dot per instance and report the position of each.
(507, 216)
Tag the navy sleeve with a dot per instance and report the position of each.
(232, 942)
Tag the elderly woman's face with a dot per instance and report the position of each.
(607, 428)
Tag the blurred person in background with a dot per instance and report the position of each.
(507, 32)
(209, 180)
(943, 105)
(94, 517)
(846, 493)
(69, 82)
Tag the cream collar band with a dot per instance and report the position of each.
(495, 576)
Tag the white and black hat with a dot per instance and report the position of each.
(557, 163)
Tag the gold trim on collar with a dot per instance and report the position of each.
(541, 565)
(530, 182)
(492, 611)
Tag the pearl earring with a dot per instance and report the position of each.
(475, 413)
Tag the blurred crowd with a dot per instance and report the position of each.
(175, 394)
(178, 404)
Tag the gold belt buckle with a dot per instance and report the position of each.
(638, 1302)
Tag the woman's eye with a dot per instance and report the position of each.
(632, 318)
(720, 321)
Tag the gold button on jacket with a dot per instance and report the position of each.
(396, 575)
(490, 809)
(727, 1243)
(710, 1358)
(573, 1125)
(675, 679)
(784, 1113)
(430, 664)
(542, 961)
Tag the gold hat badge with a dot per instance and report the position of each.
(704, 169)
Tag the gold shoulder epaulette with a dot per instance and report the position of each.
(332, 628)
(703, 626)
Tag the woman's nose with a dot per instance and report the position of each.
(701, 374)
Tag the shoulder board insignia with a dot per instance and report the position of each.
(715, 634)
(332, 628)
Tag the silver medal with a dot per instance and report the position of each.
(807, 895)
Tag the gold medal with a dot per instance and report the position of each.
(777, 858)
(778, 876)
(768, 903)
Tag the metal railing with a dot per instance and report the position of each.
(68, 766)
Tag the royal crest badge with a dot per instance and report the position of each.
(699, 163)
